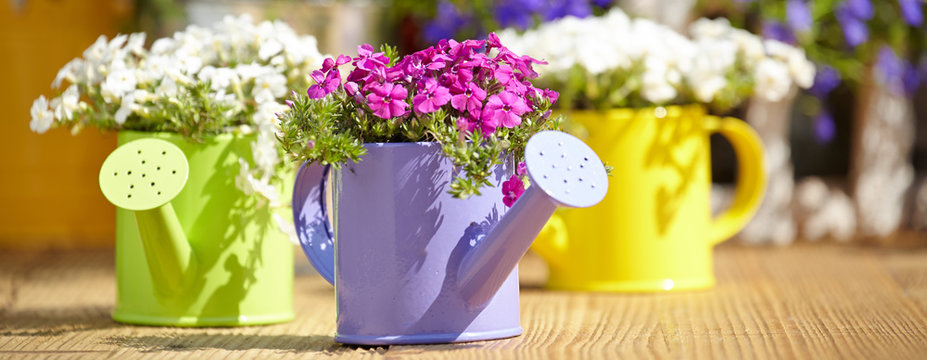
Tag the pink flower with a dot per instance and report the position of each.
(505, 108)
(430, 97)
(328, 79)
(503, 74)
(512, 190)
(388, 100)
(469, 98)
(466, 125)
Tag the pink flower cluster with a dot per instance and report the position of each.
(476, 89)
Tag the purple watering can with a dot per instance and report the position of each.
(410, 263)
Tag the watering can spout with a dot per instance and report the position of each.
(143, 176)
(564, 171)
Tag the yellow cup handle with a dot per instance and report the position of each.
(751, 177)
(551, 243)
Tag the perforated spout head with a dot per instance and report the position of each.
(144, 174)
(566, 169)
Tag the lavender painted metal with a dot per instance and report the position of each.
(410, 263)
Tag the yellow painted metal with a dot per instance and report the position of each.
(654, 231)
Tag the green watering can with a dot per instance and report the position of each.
(226, 272)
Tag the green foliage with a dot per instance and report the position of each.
(332, 131)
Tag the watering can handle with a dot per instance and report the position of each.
(751, 177)
(310, 215)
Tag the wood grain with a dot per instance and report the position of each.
(803, 302)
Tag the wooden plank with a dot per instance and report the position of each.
(797, 302)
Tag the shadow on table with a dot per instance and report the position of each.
(55, 322)
(291, 343)
(191, 342)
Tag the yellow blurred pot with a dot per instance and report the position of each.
(654, 231)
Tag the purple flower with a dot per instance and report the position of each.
(602, 3)
(430, 97)
(388, 100)
(512, 190)
(512, 14)
(521, 169)
(861, 9)
(517, 13)
(564, 8)
(855, 31)
(824, 128)
(798, 14)
(505, 109)
(888, 64)
(777, 31)
(912, 78)
(911, 12)
(447, 21)
(896, 73)
(826, 79)
(469, 97)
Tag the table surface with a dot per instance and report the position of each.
(804, 301)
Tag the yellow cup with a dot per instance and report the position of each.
(654, 231)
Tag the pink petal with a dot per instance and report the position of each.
(398, 92)
(316, 92)
(398, 108)
(459, 102)
(519, 107)
(509, 119)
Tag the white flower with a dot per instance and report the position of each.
(269, 48)
(269, 87)
(247, 183)
(126, 107)
(713, 61)
(189, 64)
(710, 29)
(264, 150)
(801, 69)
(42, 116)
(163, 46)
(136, 44)
(751, 46)
(67, 103)
(772, 79)
(219, 78)
(68, 72)
(168, 88)
(250, 71)
(96, 52)
(118, 83)
(266, 113)
(777, 49)
(287, 228)
(656, 86)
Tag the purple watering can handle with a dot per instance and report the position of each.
(310, 216)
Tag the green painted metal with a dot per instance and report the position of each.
(144, 176)
(234, 268)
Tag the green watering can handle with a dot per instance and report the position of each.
(144, 176)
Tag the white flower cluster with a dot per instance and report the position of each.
(658, 64)
(774, 65)
(247, 70)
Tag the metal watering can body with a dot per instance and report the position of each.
(410, 263)
(192, 249)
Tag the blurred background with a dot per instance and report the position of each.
(849, 155)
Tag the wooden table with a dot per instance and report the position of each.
(805, 301)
